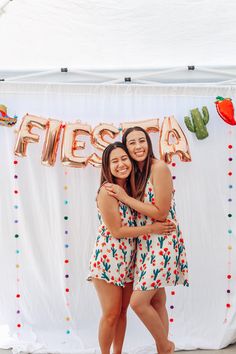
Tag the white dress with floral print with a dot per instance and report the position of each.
(160, 259)
(113, 259)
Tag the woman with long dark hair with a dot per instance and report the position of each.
(161, 259)
(113, 257)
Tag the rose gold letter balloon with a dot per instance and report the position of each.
(150, 125)
(70, 144)
(97, 140)
(51, 142)
(173, 141)
(25, 135)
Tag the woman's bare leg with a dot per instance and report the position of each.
(141, 304)
(121, 324)
(110, 297)
(159, 303)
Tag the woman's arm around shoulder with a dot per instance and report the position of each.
(162, 183)
(109, 208)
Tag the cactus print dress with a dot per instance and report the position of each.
(113, 260)
(160, 259)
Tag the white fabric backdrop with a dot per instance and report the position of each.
(201, 196)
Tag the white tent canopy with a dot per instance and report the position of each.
(110, 40)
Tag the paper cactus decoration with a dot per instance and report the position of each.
(198, 123)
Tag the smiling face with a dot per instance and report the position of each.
(120, 164)
(137, 145)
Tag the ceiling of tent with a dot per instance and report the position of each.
(109, 40)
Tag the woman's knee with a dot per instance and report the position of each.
(159, 299)
(111, 316)
(136, 304)
(123, 311)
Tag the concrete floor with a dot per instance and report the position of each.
(229, 350)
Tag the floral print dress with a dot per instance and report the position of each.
(113, 259)
(160, 259)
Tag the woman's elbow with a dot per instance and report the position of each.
(160, 218)
(116, 233)
(161, 215)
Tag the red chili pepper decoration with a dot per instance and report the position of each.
(225, 109)
(3, 113)
(5, 119)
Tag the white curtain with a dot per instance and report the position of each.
(55, 321)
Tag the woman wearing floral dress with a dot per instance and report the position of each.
(113, 257)
(161, 259)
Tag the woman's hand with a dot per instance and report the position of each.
(163, 228)
(116, 191)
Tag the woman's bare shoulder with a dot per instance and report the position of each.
(103, 197)
(102, 193)
(159, 166)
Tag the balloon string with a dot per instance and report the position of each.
(66, 245)
(17, 249)
(230, 231)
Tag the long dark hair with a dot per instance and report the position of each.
(141, 177)
(106, 175)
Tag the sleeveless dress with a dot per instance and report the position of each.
(113, 260)
(160, 259)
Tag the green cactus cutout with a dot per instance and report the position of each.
(198, 123)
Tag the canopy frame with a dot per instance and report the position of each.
(162, 76)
